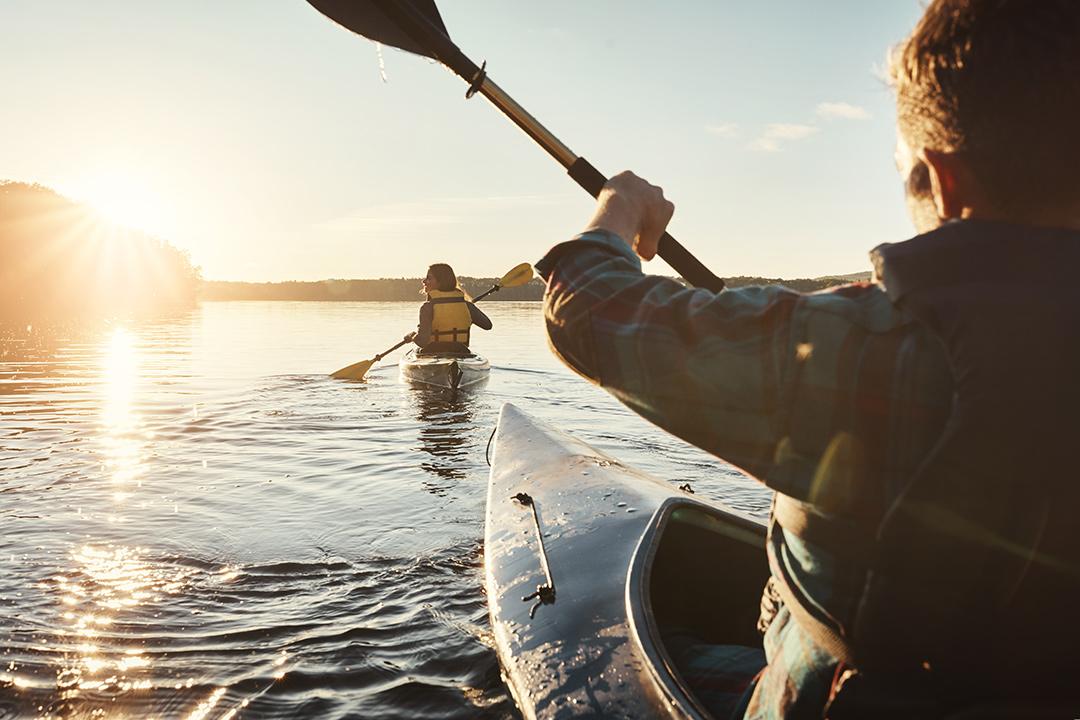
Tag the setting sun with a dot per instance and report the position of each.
(122, 198)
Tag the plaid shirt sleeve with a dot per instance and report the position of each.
(801, 391)
(706, 367)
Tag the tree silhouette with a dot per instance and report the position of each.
(60, 260)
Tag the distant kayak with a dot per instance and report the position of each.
(448, 371)
(580, 619)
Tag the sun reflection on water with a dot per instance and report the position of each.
(123, 439)
(112, 593)
(120, 366)
(105, 582)
(204, 708)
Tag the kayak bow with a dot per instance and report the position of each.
(627, 557)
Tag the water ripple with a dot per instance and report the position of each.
(199, 523)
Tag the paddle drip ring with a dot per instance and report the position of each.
(477, 81)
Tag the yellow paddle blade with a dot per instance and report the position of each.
(356, 371)
(520, 275)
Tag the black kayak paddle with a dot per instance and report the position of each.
(416, 26)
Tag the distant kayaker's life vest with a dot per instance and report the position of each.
(974, 572)
(451, 319)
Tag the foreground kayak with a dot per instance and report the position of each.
(624, 558)
(444, 371)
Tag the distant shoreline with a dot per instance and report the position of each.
(379, 290)
(408, 289)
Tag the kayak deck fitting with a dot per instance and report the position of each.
(579, 608)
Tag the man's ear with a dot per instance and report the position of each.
(956, 191)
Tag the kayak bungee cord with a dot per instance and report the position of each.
(545, 594)
(487, 450)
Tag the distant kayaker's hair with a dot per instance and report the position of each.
(445, 279)
(997, 80)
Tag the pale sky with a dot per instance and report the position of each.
(261, 137)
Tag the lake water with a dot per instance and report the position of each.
(196, 522)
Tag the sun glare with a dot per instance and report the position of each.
(121, 198)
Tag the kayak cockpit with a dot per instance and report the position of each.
(697, 573)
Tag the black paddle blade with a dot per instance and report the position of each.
(367, 18)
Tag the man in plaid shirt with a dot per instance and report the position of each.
(772, 381)
(833, 399)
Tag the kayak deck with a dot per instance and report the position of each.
(629, 557)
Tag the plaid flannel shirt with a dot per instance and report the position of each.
(832, 398)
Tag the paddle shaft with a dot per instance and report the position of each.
(420, 29)
(384, 353)
(481, 296)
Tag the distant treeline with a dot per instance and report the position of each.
(383, 289)
(408, 289)
(60, 261)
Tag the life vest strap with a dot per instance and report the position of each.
(456, 335)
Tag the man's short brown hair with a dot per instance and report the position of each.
(998, 80)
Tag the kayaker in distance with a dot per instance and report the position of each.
(918, 430)
(448, 314)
